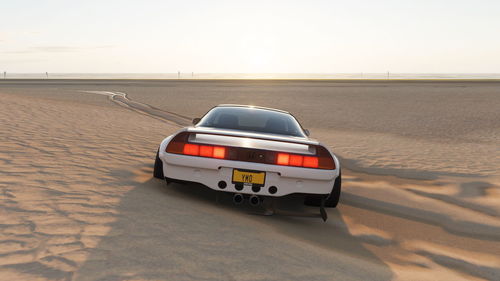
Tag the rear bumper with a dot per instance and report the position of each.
(210, 171)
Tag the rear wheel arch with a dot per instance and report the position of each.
(331, 200)
(158, 167)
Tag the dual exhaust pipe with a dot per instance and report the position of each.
(238, 199)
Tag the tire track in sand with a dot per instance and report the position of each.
(122, 100)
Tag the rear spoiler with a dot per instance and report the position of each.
(241, 134)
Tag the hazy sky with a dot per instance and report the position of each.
(250, 36)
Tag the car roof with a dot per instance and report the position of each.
(252, 106)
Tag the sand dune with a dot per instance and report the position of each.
(77, 200)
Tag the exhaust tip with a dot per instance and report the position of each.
(238, 186)
(222, 184)
(238, 198)
(273, 189)
(254, 200)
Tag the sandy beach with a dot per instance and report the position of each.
(420, 201)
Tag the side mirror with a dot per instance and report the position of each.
(306, 131)
(196, 121)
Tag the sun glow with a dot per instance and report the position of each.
(259, 60)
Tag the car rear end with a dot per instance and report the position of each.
(247, 163)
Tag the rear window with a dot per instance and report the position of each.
(252, 119)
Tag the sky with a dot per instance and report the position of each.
(314, 36)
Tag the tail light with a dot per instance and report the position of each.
(321, 160)
(191, 149)
(180, 145)
(204, 150)
(219, 152)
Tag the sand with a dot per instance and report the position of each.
(420, 199)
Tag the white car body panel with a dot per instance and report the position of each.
(209, 171)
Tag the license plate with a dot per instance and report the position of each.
(249, 177)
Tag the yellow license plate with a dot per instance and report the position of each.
(249, 177)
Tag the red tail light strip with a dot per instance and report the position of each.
(297, 160)
(322, 159)
(204, 150)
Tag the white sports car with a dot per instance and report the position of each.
(254, 153)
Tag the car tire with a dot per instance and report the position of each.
(158, 169)
(333, 198)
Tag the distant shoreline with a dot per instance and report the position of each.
(339, 80)
(359, 76)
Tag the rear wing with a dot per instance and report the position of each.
(260, 136)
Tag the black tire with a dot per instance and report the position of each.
(333, 198)
(158, 169)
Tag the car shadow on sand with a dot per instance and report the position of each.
(180, 232)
